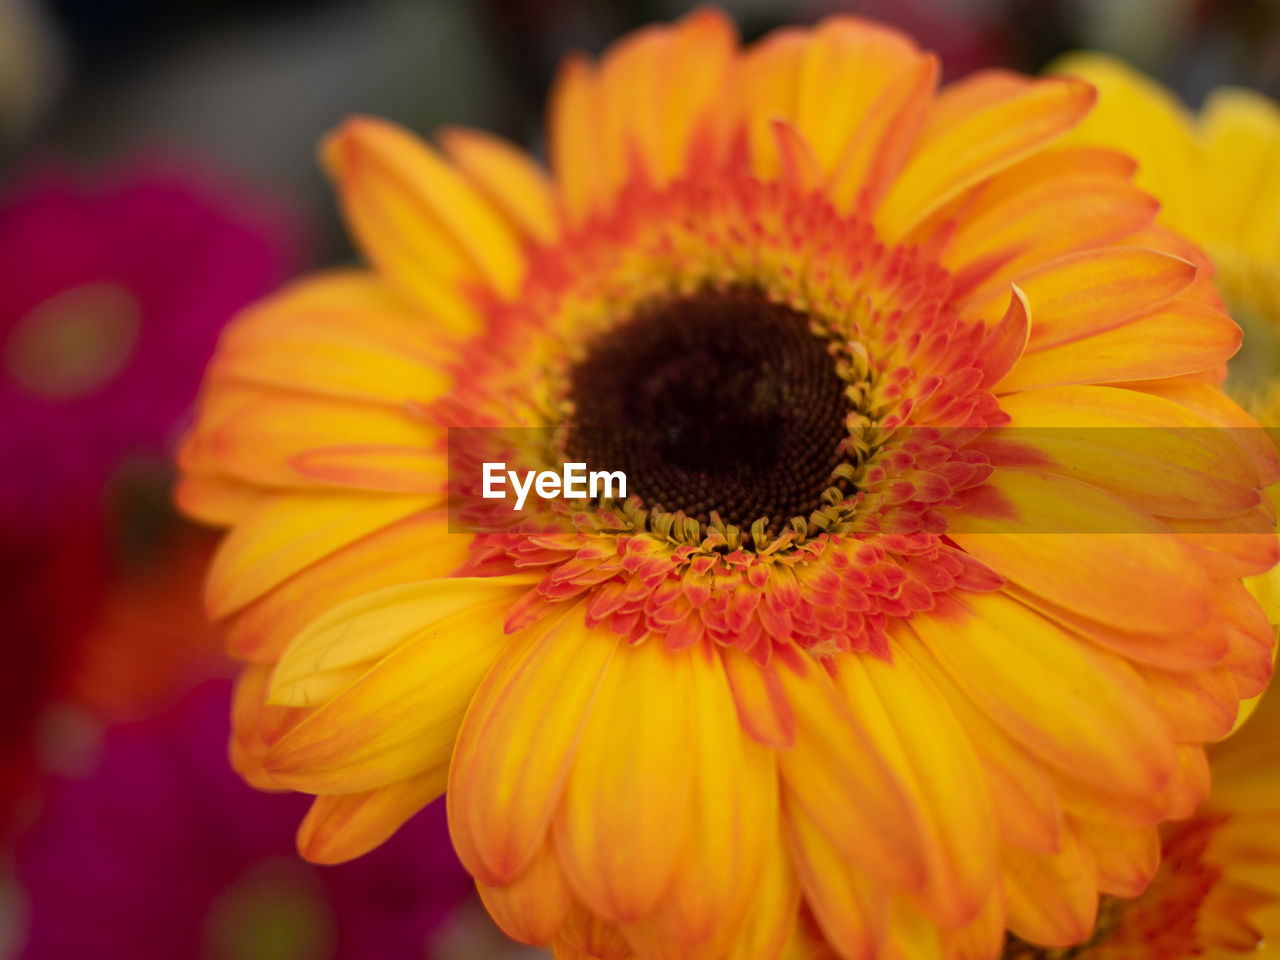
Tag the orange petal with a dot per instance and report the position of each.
(850, 907)
(401, 717)
(726, 843)
(261, 630)
(1084, 293)
(913, 727)
(772, 914)
(966, 142)
(532, 906)
(1153, 453)
(507, 177)
(837, 777)
(343, 826)
(1086, 551)
(363, 630)
(417, 218)
(518, 743)
(1079, 709)
(622, 821)
(1050, 899)
(1126, 858)
(285, 534)
(762, 705)
(1193, 337)
(1025, 801)
(1199, 705)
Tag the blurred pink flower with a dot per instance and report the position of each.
(113, 296)
(163, 852)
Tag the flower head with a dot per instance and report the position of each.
(113, 297)
(873, 653)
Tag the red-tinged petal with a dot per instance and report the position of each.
(532, 907)
(850, 907)
(967, 141)
(994, 247)
(622, 820)
(983, 939)
(427, 230)
(835, 775)
(877, 151)
(402, 716)
(247, 747)
(762, 705)
(259, 435)
(1149, 451)
(1193, 337)
(1051, 542)
(261, 630)
(365, 629)
(1199, 705)
(1082, 710)
(799, 165)
(381, 467)
(1050, 899)
(1006, 341)
(286, 533)
(913, 727)
(585, 935)
(513, 183)
(509, 770)
(1229, 547)
(1085, 293)
(697, 77)
(1126, 858)
(768, 85)
(1205, 646)
(343, 826)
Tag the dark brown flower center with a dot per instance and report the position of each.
(720, 402)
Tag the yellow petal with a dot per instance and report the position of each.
(913, 727)
(401, 717)
(622, 821)
(341, 827)
(417, 218)
(1086, 551)
(369, 627)
(285, 533)
(835, 775)
(518, 743)
(1079, 709)
(532, 906)
(1050, 899)
(507, 177)
(962, 146)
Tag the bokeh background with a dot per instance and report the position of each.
(156, 174)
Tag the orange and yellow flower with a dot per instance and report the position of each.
(889, 649)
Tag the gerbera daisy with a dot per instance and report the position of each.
(162, 852)
(1218, 179)
(1217, 891)
(866, 658)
